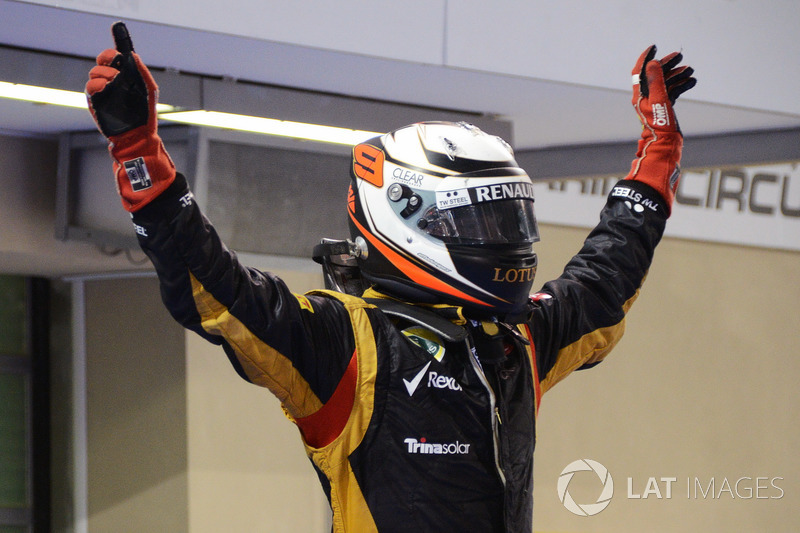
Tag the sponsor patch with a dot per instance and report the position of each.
(427, 340)
(138, 174)
(406, 176)
(422, 446)
(187, 199)
(140, 230)
(484, 193)
(660, 115)
(435, 381)
(412, 385)
(633, 199)
(431, 343)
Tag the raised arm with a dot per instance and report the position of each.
(299, 347)
(580, 316)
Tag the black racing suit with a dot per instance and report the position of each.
(409, 428)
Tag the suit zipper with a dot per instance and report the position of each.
(495, 416)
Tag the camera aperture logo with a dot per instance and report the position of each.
(585, 509)
(664, 488)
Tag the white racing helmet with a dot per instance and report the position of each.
(441, 213)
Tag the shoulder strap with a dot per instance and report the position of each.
(418, 315)
(421, 316)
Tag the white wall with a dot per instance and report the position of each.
(248, 471)
(703, 385)
(135, 419)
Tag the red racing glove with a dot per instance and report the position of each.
(122, 97)
(656, 86)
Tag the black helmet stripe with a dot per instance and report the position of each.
(463, 165)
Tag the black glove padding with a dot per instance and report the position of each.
(122, 97)
(677, 80)
(122, 104)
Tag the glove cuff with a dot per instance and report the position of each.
(657, 163)
(142, 167)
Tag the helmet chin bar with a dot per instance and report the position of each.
(341, 273)
(403, 290)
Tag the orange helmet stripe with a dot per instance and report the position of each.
(413, 271)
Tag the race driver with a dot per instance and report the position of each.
(415, 385)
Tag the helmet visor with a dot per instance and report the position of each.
(500, 222)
